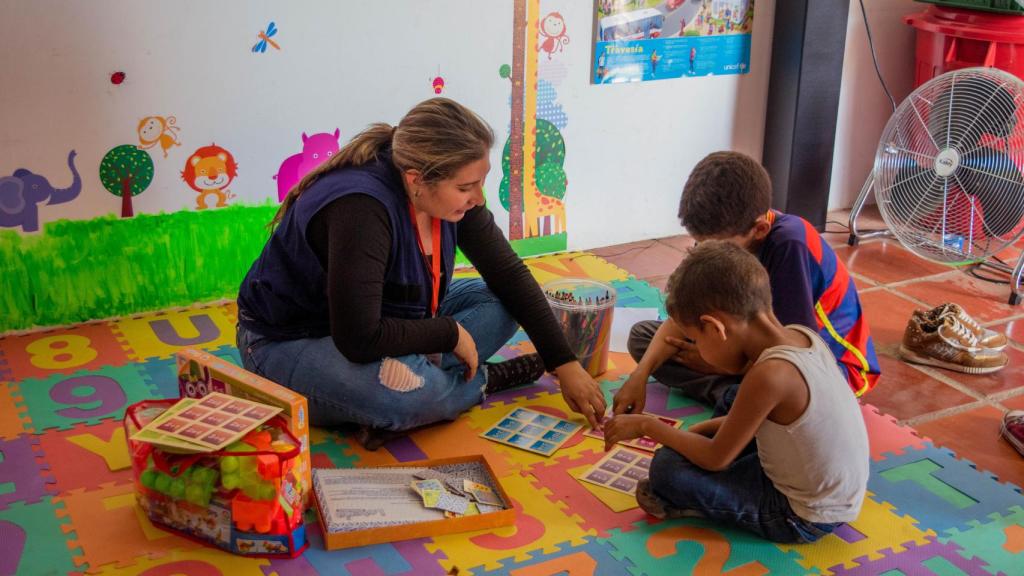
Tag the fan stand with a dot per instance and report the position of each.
(858, 205)
(1016, 297)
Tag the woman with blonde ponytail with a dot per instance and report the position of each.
(352, 301)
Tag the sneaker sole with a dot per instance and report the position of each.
(911, 356)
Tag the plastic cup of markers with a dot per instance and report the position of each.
(584, 309)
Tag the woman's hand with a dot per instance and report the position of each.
(625, 427)
(630, 399)
(581, 392)
(465, 350)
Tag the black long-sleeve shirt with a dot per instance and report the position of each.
(351, 236)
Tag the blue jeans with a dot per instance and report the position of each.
(742, 495)
(393, 393)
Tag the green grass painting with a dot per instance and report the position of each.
(75, 271)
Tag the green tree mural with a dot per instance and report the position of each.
(126, 171)
(549, 153)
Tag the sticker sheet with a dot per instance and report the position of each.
(209, 423)
(621, 469)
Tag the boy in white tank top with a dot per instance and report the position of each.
(808, 469)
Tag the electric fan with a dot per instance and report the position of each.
(947, 175)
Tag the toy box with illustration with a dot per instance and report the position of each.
(243, 497)
(200, 373)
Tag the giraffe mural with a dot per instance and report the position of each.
(533, 158)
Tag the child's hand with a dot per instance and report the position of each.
(625, 427)
(689, 356)
(630, 399)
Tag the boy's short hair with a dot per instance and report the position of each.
(725, 194)
(718, 276)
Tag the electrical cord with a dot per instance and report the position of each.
(874, 58)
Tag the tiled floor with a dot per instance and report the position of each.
(959, 411)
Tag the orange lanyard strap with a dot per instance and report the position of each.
(435, 259)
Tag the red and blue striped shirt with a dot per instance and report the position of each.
(810, 286)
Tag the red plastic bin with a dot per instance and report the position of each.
(950, 39)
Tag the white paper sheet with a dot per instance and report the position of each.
(623, 320)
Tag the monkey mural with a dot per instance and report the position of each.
(155, 130)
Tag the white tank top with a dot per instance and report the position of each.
(820, 461)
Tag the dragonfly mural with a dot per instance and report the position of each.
(264, 37)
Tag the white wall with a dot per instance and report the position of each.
(863, 106)
(630, 147)
(345, 64)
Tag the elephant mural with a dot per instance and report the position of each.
(22, 192)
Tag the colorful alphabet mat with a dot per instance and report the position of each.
(66, 502)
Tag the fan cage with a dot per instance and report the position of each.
(948, 169)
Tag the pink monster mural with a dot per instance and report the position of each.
(316, 150)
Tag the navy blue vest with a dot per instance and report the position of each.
(284, 294)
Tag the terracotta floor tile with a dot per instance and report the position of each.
(974, 435)
(619, 249)
(835, 239)
(1011, 253)
(904, 392)
(985, 301)
(643, 259)
(1008, 378)
(659, 282)
(682, 242)
(887, 314)
(885, 261)
(1014, 403)
(1014, 329)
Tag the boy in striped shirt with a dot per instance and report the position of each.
(728, 197)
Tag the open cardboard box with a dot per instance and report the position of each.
(506, 517)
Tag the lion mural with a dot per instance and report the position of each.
(209, 171)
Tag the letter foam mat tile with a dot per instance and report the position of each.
(112, 528)
(37, 539)
(405, 558)
(62, 351)
(24, 473)
(90, 396)
(87, 456)
(93, 523)
(160, 335)
(999, 541)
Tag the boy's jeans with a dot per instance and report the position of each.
(393, 393)
(742, 495)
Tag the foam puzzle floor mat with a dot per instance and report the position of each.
(66, 501)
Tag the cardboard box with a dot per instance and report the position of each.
(506, 517)
(200, 373)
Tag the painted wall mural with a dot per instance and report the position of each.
(126, 171)
(316, 150)
(209, 171)
(22, 192)
(265, 40)
(154, 130)
(552, 27)
(534, 181)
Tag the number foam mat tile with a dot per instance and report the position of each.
(66, 504)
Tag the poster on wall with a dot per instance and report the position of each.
(642, 40)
